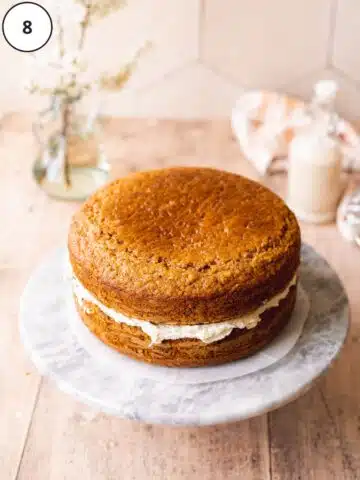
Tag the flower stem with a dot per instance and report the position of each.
(84, 25)
(66, 112)
(61, 38)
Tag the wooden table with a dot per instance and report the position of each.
(46, 435)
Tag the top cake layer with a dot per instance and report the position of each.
(184, 245)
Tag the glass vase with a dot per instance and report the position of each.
(71, 163)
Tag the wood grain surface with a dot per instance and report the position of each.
(46, 435)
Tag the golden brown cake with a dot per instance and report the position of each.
(185, 266)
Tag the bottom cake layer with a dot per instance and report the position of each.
(241, 343)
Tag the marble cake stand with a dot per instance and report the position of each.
(57, 353)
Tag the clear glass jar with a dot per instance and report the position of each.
(71, 163)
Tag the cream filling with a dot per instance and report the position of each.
(207, 333)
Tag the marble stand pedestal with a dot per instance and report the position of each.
(57, 352)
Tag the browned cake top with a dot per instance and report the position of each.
(182, 232)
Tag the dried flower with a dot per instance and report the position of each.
(60, 71)
(70, 17)
(118, 80)
(101, 8)
(62, 74)
(54, 74)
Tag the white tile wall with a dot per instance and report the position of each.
(192, 91)
(263, 43)
(347, 38)
(205, 52)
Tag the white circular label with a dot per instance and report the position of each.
(27, 26)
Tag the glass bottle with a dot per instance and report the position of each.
(315, 160)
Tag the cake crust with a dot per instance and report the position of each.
(133, 342)
(184, 245)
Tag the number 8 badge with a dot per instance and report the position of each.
(27, 26)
